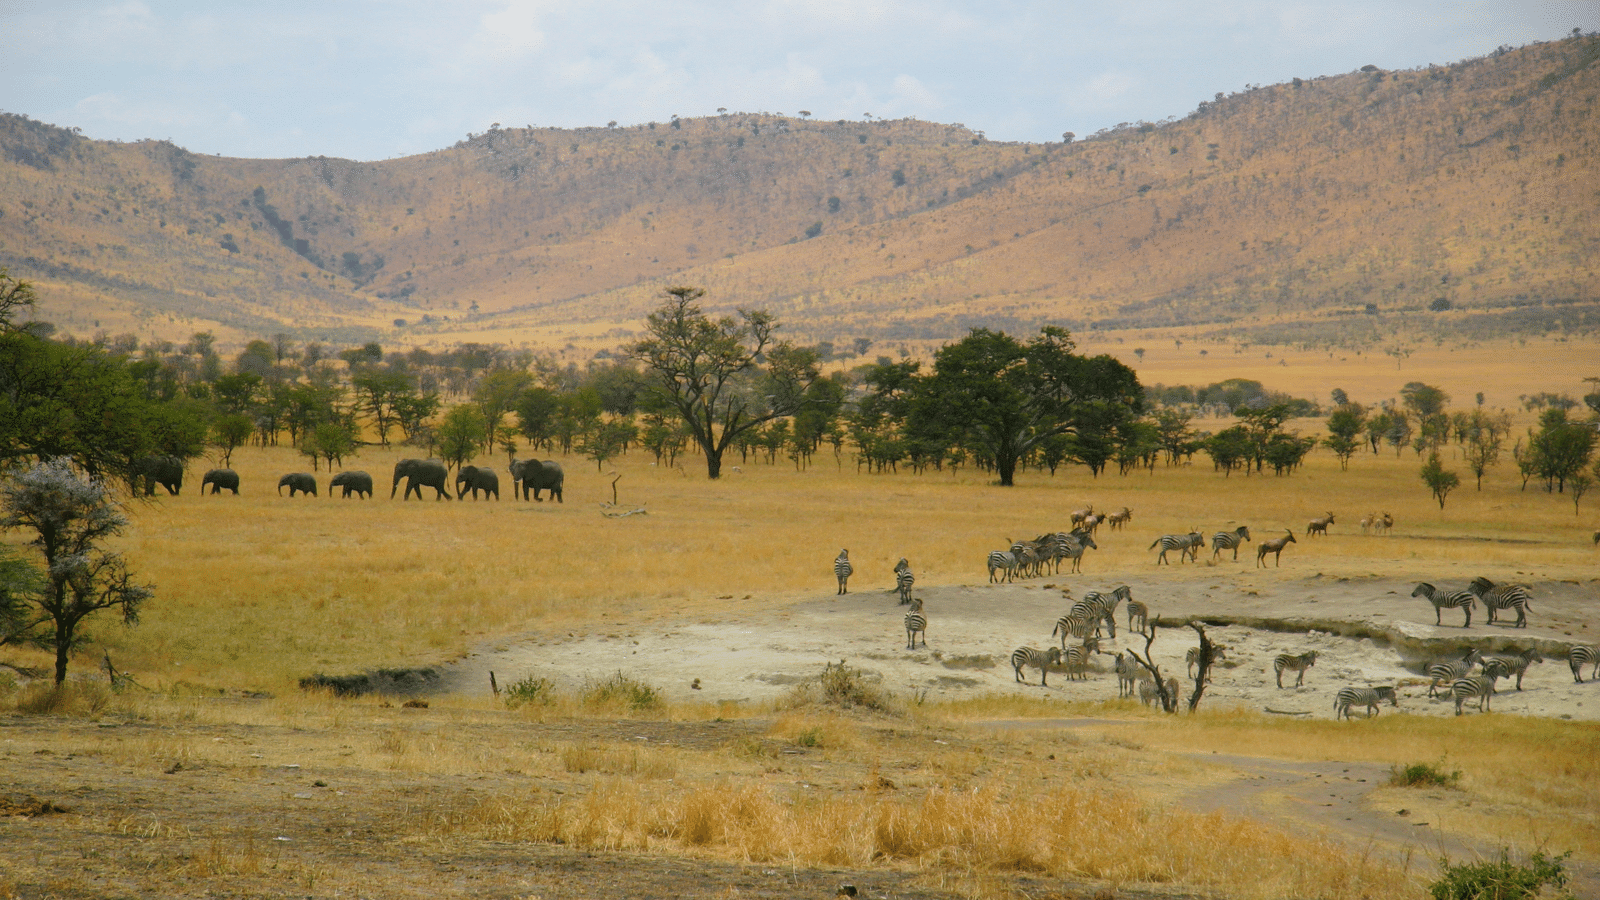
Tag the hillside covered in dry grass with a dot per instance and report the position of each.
(1327, 211)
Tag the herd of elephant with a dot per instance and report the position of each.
(529, 478)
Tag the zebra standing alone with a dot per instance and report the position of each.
(1510, 596)
(1038, 659)
(1229, 540)
(916, 623)
(1442, 600)
(1581, 654)
(1137, 611)
(1367, 696)
(903, 579)
(842, 570)
(1295, 663)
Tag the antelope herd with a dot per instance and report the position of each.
(1080, 630)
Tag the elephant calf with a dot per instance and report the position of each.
(298, 482)
(358, 483)
(218, 479)
(476, 478)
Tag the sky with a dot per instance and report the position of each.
(375, 79)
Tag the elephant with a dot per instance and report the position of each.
(358, 483)
(419, 473)
(298, 482)
(534, 476)
(219, 479)
(475, 478)
(166, 471)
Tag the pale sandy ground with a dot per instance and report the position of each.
(757, 656)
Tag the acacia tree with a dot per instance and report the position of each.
(1001, 398)
(72, 517)
(1439, 480)
(724, 376)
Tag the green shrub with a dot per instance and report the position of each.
(1501, 880)
(811, 737)
(530, 690)
(1423, 775)
(620, 689)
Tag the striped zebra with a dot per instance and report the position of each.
(1510, 596)
(1479, 686)
(1138, 612)
(1466, 601)
(904, 580)
(1079, 623)
(916, 623)
(1038, 659)
(1193, 658)
(1294, 663)
(1275, 547)
(1076, 659)
(1229, 540)
(1074, 550)
(1128, 672)
(1515, 664)
(1105, 606)
(1581, 654)
(1149, 693)
(1185, 544)
(1002, 561)
(1362, 696)
(842, 570)
(1447, 671)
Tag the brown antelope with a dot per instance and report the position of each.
(1383, 524)
(1319, 526)
(1368, 521)
(1275, 547)
(1078, 515)
(1125, 515)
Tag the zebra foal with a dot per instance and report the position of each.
(916, 623)
(1370, 697)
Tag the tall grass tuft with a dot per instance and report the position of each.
(530, 690)
(843, 687)
(1424, 775)
(622, 691)
(1503, 880)
(74, 698)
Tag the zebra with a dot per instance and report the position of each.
(1128, 672)
(1275, 547)
(1229, 540)
(1479, 686)
(1076, 659)
(1078, 623)
(1183, 543)
(842, 570)
(1002, 561)
(1319, 525)
(1363, 696)
(1443, 600)
(1510, 596)
(1074, 550)
(1105, 606)
(1149, 693)
(1038, 659)
(1580, 654)
(916, 622)
(1125, 515)
(903, 580)
(1447, 671)
(1298, 664)
(1516, 664)
(1193, 658)
(1137, 611)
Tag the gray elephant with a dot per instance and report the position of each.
(420, 473)
(298, 482)
(166, 471)
(218, 479)
(476, 478)
(534, 476)
(358, 483)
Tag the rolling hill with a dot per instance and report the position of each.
(1346, 210)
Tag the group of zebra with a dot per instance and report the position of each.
(1083, 622)
(1496, 598)
(1189, 545)
(1041, 556)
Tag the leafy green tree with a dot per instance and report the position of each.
(607, 441)
(1177, 438)
(536, 414)
(236, 393)
(1000, 398)
(72, 517)
(1344, 427)
(462, 432)
(333, 440)
(723, 376)
(1263, 425)
(1485, 435)
(1229, 449)
(230, 432)
(412, 410)
(1440, 481)
(1560, 448)
(496, 395)
(577, 414)
(20, 583)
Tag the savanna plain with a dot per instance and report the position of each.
(686, 707)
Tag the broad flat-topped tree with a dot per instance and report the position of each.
(723, 376)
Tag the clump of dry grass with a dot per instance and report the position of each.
(842, 687)
(71, 698)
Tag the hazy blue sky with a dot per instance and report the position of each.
(370, 79)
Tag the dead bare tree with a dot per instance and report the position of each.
(1208, 653)
(1169, 702)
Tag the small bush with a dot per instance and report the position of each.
(619, 689)
(1503, 880)
(811, 737)
(530, 690)
(1423, 775)
(43, 698)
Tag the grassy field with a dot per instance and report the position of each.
(256, 591)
